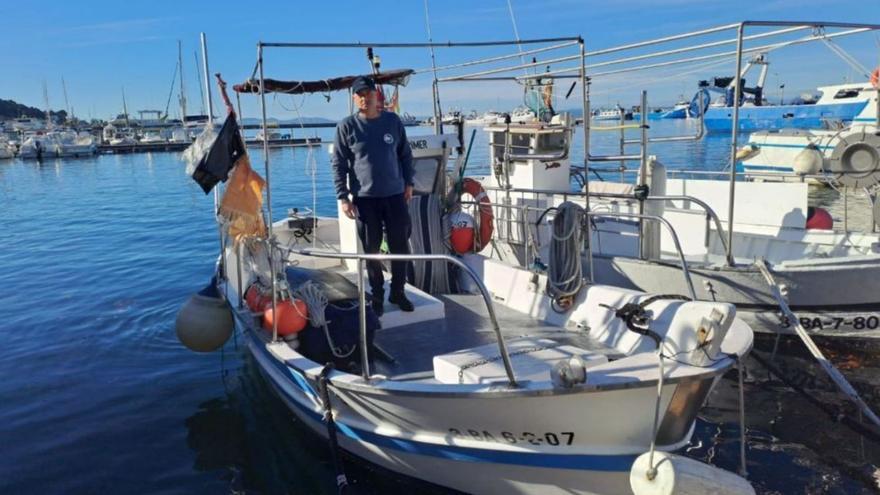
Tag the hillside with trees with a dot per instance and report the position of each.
(12, 110)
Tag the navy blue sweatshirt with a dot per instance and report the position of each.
(371, 157)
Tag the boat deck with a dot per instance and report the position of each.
(466, 325)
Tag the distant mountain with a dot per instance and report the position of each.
(12, 110)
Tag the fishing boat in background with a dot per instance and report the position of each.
(839, 102)
(791, 154)
(612, 114)
(681, 110)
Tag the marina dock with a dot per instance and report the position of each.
(159, 147)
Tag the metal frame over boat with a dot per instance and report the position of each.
(762, 221)
(495, 390)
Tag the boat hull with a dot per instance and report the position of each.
(720, 119)
(473, 450)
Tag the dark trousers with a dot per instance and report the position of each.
(392, 215)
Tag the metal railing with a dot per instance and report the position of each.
(710, 213)
(361, 258)
(590, 214)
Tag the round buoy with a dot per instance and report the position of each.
(678, 475)
(808, 161)
(254, 297)
(292, 316)
(204, 323)
(462, 232)
(819, 219)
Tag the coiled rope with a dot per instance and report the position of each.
(565, 270)
(311, 294)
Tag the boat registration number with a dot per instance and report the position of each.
(546, 438)
(871, 322)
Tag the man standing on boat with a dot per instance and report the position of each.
(373, 173)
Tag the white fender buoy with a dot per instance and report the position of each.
(680, 475)
(204, 323)
(808, 161)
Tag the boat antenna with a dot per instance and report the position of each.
(516, 36)
(438, 121)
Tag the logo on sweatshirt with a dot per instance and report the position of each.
(389, 139)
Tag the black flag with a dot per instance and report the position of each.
(214, 167)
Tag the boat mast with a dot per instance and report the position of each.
(46, 102)
(66, 102)
(182, 97)
(199, 74)
(125, 109)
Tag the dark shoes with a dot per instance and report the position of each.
(377, 302)
(399, 298)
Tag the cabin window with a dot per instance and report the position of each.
(846, 93)
(551, 143)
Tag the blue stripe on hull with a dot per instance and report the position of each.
(778, 117)
(590, 462)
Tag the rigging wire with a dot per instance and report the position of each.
(438, 111)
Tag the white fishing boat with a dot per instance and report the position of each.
(717, 230)
(610, 114)
(493, 389)
(790, 154)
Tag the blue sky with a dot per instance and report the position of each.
(99, 47)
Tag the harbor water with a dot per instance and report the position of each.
(98, 396)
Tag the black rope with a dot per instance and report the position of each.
(637, 318)
(341, 479)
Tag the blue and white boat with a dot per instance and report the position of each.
(841, 102)
(679, 111)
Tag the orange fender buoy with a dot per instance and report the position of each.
(292, 316)
(487, 218)
(819, 219)
(462, 236)
(875, 78)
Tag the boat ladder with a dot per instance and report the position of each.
(833, 373)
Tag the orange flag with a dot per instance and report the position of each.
(242, 203)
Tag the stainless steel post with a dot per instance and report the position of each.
(238, 274)
(737, 94)
(270, 253)
(621, 145)
(362, 320)
(643, 169)
(585, 97)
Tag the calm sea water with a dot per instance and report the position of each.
(97, 395)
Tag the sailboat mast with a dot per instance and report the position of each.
(182, 90)
(66, 102)
(46, 102)
(199, 73)
(125, 109)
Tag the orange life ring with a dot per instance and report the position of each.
(875, 78)
(487, 219)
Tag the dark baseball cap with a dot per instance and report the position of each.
(362, 83)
